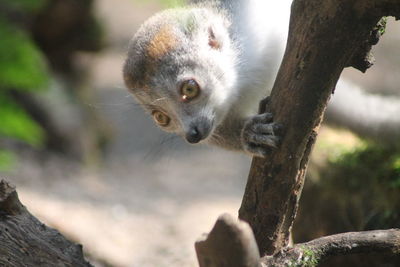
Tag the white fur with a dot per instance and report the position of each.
(263, 26)
(237, 76)
(260, 28)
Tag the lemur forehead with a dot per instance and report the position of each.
(133, 85)
(162, 42)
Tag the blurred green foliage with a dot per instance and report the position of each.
(368, 180)
(16, 123)
(7, 160)
(357, 187)
(21, 63)
(356, 183)
(173, 3)
(166, 3)
(374, 163)
(23, 68)
(26, 6)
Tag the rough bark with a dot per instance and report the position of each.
(324, 37)
(232, 243)
(25, 241)
(320, 249)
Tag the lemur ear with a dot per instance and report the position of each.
(212, 40)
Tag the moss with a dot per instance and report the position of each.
(308, 259)
(381, 26)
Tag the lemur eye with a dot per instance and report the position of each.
(161, 118)
(190, 89)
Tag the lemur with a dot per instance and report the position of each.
(201, 70)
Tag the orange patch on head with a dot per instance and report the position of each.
(163, 42)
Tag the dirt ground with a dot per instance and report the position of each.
(133, 211)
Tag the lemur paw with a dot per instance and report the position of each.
(259, 135)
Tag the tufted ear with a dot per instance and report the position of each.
(212, 40)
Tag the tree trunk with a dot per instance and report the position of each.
(324, 37)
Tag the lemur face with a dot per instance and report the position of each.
(181, 68)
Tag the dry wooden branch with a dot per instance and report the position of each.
(231, 243)
(324, 37)
(322, 248)
(25, 241)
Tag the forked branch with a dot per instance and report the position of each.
(324, 37)
(232, 243)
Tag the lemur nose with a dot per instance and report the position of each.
(193, 135)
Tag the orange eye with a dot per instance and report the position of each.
(190, 89)
(161, 118)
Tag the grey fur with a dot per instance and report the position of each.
(233, 74)
(226, 102)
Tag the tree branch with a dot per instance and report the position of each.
(25, 241)
(324, 37)
(232, 243)
(322, 248)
